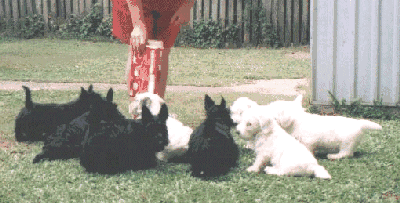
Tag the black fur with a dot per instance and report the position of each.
(36, 122)
(212, 150)
(124, 144)
(65, 143)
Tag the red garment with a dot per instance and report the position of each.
(122, 22)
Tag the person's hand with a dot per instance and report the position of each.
(138, 38)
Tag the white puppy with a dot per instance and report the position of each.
(244, 103)
(336, 135)
(273, 145)
(239, 106)
(178, 134)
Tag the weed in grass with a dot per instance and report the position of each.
(355, 109)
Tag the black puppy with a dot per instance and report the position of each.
(65, 143)
(36, 121)
(212, 150)
(124, 144)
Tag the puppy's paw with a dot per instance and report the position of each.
(272, 170)
(253, 169)
(335, 156)
(162, 156)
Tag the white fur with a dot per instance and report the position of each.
(273, 145)
(338, 136)
(178, 134)
(244, 103)
(239, 106)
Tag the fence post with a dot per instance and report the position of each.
(46, 17)
(22, 9)
(67, 8)
(288, 23)
(88, 6)
(192, 10)
(15, 11)
(61, 6)
(39, 7)
(296, 22)
(230, 12)
(81, 7)
(106, 8)
(240, 20)
(281, 21)
(199, 9)
(1, 9)
(222, 12)
(214, 10)
(206, 10)
(75, 7)
(274, 18)
(305, 27)
(53, 9)
(246, 27)
(29, 7)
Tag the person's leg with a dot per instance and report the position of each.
(166, 33)
(136, 68)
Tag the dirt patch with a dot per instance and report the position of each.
(275, 86)
(299, 55)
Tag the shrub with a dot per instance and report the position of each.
(29, 27)
(377, 111)
(208, 34)
(262, 31)
(89, 25)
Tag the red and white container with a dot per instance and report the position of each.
(145, 73)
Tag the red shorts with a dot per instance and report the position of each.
(122, 22)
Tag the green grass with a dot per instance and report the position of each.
(373, 172)
(54, 60)
(372, 176)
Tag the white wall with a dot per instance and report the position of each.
(355, 50)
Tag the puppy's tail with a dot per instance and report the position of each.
(28, 99)
(321, 172)
(369, 125)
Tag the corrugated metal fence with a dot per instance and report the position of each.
(355, 50)
(289, 18)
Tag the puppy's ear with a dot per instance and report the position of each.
(110, 94)
(28, 99)
(90, 89)
(163, 113)
(299, 100)
(83, 92)
(223, 102)
(146, 114)
(208, 102)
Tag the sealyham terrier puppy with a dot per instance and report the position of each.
(244, 103)
(273, 145)
(336, 135)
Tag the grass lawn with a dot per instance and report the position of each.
(373, 175)
(54, 60)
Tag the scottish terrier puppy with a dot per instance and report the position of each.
(212, 150)
(36, 121)
(124, 144)
(65, 143)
